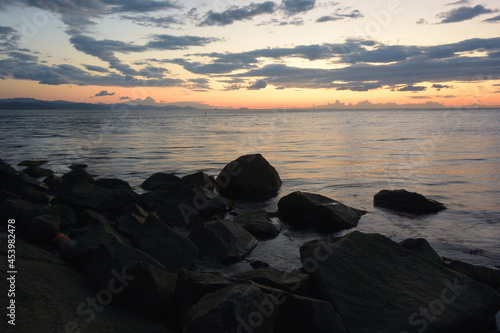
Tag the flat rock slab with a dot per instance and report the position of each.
(309, 210)
(378, 286)
(408, 202)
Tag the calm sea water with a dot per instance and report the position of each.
(452, 156)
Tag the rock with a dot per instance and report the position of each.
(256, 264)
(6, 195)
(69, 180)
(21, 179)
(51, 180)
(24, 212)
(306, 210)
(93, 218)
(408, 202)
(108, 263)
(30, 194)
(88, 196)
(232, 309)
(223, 240)
(113, 184)
(76, 166)
(149, 293)
(378, 286)
(133, 208)
(191, 287)
(36, 172)
(6, 169)
(200, 179)
(170, 248)
(29, 163)
(295, 283)
(249, 177)
(258, 224)
(488, 276)
(160, 182)
(422, 247)
(130, 225)
(44, 228)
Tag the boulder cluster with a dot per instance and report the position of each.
(151, 244)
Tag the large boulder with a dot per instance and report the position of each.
(29, 163)
(309, 210)
(408, 202)
(36, 172)
(200, 179)
(232, 309)
(378, 286)
(170, 248)
(191, 287)
(44, 228)
(486, 275)
(249, 177)
(113, 184)
(422, 247)
(258, 224)
(223, 240)
(70, 179)
(160, 182)
(30, 194)
(6, 169)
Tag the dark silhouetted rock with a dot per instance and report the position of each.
(308, 210)
(70, 180)
(378, 286)
(160, 182)
(30, 194)
(422, 247)
(170, 248)
(149, 293)
(249, 177)
(408, 202)
(200, 179)
(90, 217)
(295, 283)
(488, 276)
(24, 212)
(29, 163)
(11, 181)
(51, 180)
(113, 184)
(133, 208)
(6, 169)
(84, 195)
(76, 166)
(223, 240)
(36, 172)
(256, 264)
(232, 309)
(191, 287)
(258, 224)
(130, 225)
(6, 195)
(44, 228)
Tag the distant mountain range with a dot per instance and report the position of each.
(35, 104)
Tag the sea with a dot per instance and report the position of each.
(452, 156)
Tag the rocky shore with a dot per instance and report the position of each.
(93, 255)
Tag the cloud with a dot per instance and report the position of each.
(23, 56)
(9, 38)
(98, 69)
(150, 21)
(493, 19)
(422, 21)
(142, 6)
(292, 7)
(461, 2)
(124, 98)
(463, 14)
(441, 86)
(413, 88)
(235, 13)
(257, 85)
(200, 83)
(104, 93)
(297, 21)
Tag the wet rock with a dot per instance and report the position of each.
(160, 182)
(249, 177)
(113, 184)
(170, 248)
(24, 212)
(232, 309)
(44, 228)
(36, 172)
(295, 283)
(21, 179)
(191, 287)
(51, 180)
(258, 224)
(76, 166)
(422, 247)
(29, 163)
(223, 240)
(308, 210)
(200, 179)
(149, 292)
(6, 169)
(488, 276)
(84, 195)
(408, 202)
(378, 286)
(69, 180)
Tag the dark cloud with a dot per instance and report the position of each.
(257, 85)
(9, 38)
(327, 18)
(23, 56)
(235, 13)
(413, 88)
(297, 21)
(441, 86)
(421, 97)
(104, 93)
(96, 68)
(292, 7)
(493, 19)
(360, 88)
(463, 14)
(461, 2)
(150, 21)
(123, 98)
(169, 42)
(200, 83)
(139, 6)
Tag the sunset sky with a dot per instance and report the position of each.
(256, 54)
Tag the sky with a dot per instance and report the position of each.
(252, 54)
